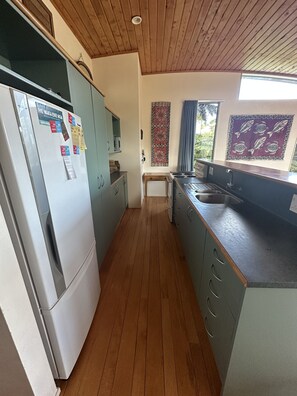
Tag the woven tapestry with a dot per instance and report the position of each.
(258, 136)
(160, 133)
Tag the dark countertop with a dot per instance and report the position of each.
(115, 176)
(261, 247)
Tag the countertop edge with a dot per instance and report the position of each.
(116, 176)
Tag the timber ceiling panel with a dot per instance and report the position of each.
(189, 35)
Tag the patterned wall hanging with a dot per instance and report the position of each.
(160, 126)
(258, 136)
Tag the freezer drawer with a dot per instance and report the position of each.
(68, 322)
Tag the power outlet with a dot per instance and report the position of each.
(210, 170)
(293, 206)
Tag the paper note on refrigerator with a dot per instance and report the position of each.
(78, 137)
(69, 168)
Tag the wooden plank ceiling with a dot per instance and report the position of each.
(189, 35)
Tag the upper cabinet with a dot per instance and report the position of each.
(113, 132)
(28, 60)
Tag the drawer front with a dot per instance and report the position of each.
(223, 277)
(220, 300)
(219, 323)
(220, 330)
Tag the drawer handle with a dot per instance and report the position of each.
(209, 308)
(215, 253)
(207, 330)
(214, 272)
(210, 285)
(189, 213)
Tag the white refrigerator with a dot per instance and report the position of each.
(44, 191)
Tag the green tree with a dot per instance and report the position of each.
(205, 130)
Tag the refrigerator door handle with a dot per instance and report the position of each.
(53, 243)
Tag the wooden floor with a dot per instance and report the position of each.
(147, 337)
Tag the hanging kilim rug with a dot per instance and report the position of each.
(160, 133)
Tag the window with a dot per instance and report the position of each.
(256, 87)
(207, 113)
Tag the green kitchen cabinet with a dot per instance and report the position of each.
(192, 233)
(88, 103)
(195, 246)
(119, 202)
(125, 178)
(109, 127)
(105, 230)
(220, 299)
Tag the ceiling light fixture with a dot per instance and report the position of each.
(136, 20)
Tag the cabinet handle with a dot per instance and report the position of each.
(214, 272)
(102, 181)
(99, 182)
(207, 331)
(215, 253)
(189, 212)
(209, 308)
(210, 285)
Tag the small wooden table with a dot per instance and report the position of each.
(155, 177)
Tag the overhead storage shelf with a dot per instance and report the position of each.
(29, 61)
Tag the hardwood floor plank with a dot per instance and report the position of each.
(125, 363)
(170, 383)
(154, 383)
(185, 380)
(147, 337)
(138, 385)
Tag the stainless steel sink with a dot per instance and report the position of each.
(225, 199)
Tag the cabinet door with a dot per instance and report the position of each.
(195, 246)
(109, 128)
(126, 190)
(81, 98)
(119, 201)
(106, 223)
(101, 138)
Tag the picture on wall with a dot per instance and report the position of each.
(258, 136)
(160, 127)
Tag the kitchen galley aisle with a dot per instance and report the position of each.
(147, 337)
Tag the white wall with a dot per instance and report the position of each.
(119, 78)
(66, 38)
(176, 88)
(18, 315)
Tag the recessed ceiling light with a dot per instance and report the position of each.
(136, 20)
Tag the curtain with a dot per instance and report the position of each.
(187, 136)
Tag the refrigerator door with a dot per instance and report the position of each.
(66, 182)
(17, 181)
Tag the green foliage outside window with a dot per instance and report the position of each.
(294, 165)
(205, 130)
